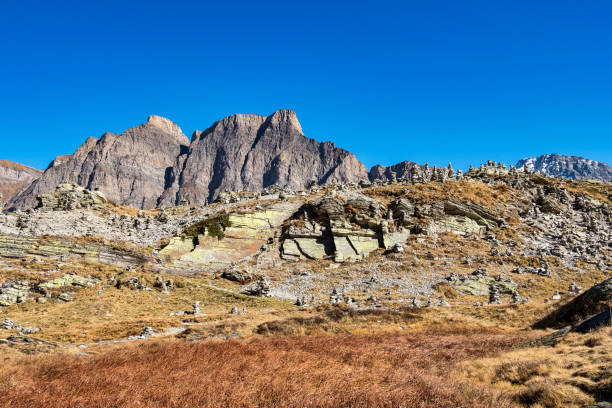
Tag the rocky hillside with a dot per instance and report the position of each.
(155, 164)
(572, 167)
(14, 177)
(490, 251)
(489, 217)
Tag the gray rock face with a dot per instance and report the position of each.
(573, 167)
(402, 170)
(14, 178)
(251, 152)
(131, 168)
(155, 164)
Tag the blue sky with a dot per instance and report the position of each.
(427, 81)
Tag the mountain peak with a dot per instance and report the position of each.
(168, 126)
(285, 117)
(572, 167)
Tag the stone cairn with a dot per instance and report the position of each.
(494, 298)
(336, 297)
(260, 288)
(574, 289)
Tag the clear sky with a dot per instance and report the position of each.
(427, 81)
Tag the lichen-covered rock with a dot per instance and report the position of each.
(68, 280)
(177, 247)
(69, 197)
(65, 297)
(391, 239)
(481, 285)
(14, 291)
(239, 236)
(460, 225)
(237, 276)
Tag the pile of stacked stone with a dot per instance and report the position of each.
(517, 298)
(574, 289)
(259, 288)
(336, 297)
(494, 297)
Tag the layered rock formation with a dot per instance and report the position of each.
(243, 235)
(573, 167)
(155, 164)
(14, 177)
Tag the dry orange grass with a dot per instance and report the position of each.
(383, 370)
(573, 373)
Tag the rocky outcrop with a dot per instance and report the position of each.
(220, 241)
(18, 291)
(68, 197)
(12, 246)
(573, 167)
(14, 178)
(479, 283)
(251, 152)
(403, 170)
(132, 168)
(346, 226)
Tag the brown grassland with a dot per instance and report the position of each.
(380, 370)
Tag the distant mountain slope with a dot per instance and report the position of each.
(572, 167)
(14, 177)
(252, 152)
(130, 168)
(155, 164)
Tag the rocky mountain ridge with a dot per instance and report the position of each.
(572, 167)
(14, 177)
(156, 165)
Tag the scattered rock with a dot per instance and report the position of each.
(259, 288)
(65, 297)
(147, 332)
(237, 276)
